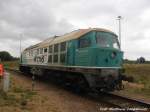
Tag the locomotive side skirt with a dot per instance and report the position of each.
(82, 69)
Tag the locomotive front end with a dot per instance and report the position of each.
(109, 59)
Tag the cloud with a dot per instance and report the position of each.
(30, 19)
(37, 20)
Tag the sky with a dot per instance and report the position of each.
(33, 21)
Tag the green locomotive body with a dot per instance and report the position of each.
(93, 55)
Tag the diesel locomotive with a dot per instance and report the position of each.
(84, 58)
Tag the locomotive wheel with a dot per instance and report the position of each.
(81, 86)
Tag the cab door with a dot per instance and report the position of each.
(71, 53)
(85, 53)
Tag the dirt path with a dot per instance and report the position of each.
(51, 98)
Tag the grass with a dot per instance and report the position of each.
(141, 75)
(17, 96)
(21, 98)
(11, 64)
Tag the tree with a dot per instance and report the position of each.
(5, 56)
(141, 60)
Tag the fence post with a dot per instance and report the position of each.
(6, 81)
(33, 82)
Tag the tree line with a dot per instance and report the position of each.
(140, 60)
(6, 56)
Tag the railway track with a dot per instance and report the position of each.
(123, 103)
(116, 102)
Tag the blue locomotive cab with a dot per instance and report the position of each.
(108, 53)
(108, 58)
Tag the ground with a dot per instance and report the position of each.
(140, 87)
(51, 98)
(46, 97)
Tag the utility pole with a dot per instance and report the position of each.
(20, 46)
(119, 31)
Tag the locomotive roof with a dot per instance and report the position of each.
(66, 37)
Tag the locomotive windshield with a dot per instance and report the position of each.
(105, 39)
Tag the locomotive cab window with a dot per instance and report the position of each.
(56, 58)
(50, 58)
(41, 50)
(50, 49)
(31, 53)
(105, 39)
(62, 58)
(63, 46)
(115, 43)
(45, 50)
(84, 42)
(56, 46)
(38, 51)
